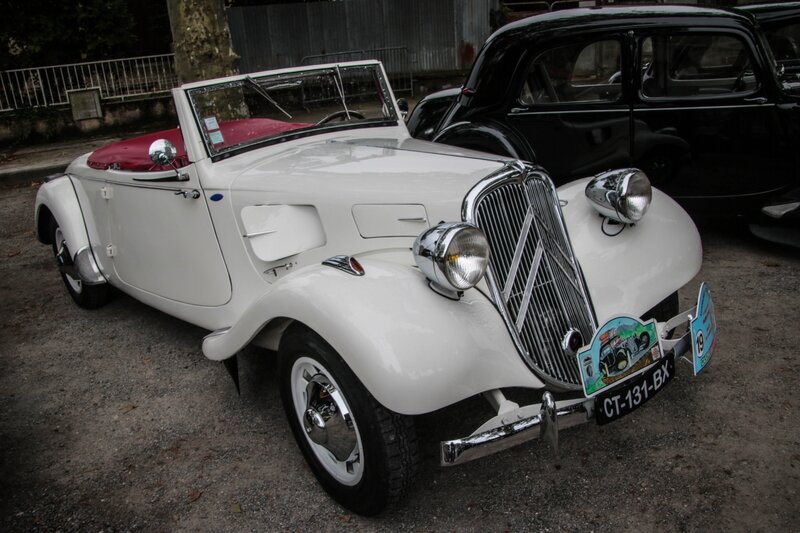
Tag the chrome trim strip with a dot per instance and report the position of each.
(567, 112)
(635, 109)
(259, 233)
(343, 263)
(459, 451)
(526, 297)
(523, 238)
(702, 108)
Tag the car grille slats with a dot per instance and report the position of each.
(535, 280)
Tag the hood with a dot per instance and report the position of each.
(368, 171)
(308, 202)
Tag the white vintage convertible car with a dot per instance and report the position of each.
(391, 276)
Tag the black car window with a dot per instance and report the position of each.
(784, 41)
(695, 65)
(574, 73)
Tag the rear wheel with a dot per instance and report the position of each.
(363, 455)
(86, 296)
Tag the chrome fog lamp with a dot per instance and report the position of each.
(623, 195)
(452, 255)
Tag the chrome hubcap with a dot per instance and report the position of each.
(327, 421)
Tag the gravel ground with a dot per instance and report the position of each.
(113, 420)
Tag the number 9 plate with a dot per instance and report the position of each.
(622, 400)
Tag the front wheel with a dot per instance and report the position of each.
(363, 455)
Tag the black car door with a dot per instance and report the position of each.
(705, 123)
(573, 107)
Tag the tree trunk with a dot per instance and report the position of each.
(201, 39)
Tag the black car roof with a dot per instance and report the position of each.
(772, 11)
(613, 16)
(496, 60)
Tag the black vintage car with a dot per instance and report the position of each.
(693, 96)
(780, 23)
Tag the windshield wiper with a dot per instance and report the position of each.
(264, 94)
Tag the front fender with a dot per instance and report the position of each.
(636, 269)
(429, 111)
(414, 350)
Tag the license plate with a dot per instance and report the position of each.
(620, 401)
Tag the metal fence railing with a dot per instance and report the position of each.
(116, 79)
(395, 61)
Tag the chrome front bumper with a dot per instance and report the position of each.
(516, 425)
(548, 420)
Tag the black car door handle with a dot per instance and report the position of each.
(756, 100)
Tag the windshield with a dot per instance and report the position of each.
(252, 110)
(784, 43)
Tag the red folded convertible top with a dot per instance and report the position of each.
(133, 154)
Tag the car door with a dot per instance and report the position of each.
(573, 107)
(705, 122)
(161, 239)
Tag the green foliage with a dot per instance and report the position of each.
(41, 32)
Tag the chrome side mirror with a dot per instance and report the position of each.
(162, 152)
(402, 105)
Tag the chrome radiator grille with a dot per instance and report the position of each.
(533, 275)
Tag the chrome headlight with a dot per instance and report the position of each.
(623, 195)
(453, 255)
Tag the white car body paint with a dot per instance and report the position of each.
(413, 349)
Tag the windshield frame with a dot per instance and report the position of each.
(383, 91)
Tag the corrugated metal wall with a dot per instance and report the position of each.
(440, 35)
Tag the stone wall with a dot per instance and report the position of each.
(43, 124)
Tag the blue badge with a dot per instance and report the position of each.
(216, 197)
(704, 329)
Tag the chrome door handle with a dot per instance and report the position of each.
(756, 100)
(194, 194)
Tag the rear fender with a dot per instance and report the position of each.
(429, 112)
(631, 272)
(57, 198)
(414, 350)
(489, 137)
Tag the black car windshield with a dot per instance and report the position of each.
(784, 43)
(250, 110)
